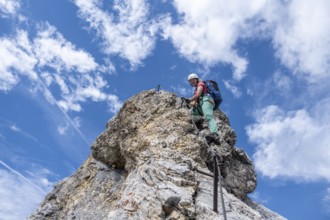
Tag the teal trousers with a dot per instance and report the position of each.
(205, 107)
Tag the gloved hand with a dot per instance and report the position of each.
(193, 104)
(187, 101)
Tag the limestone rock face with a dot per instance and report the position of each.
(143, 166)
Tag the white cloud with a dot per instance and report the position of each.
(72, 70)
(21, 194)
(77, 122)
(257, 197)
(47, 78)
(300, 32)
(114, 104)
(15, 128)
(9, 7)
(16, 59)
(108, 67)
(282, 82)
(128, 33)
(54, 51)
(234, 89)
(83, 88)
(54, 67)
(62, 129)
(292, 144)
(61, 83)
(207, 31)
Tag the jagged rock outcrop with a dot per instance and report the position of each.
(143, 167)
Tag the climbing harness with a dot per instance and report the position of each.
(216, 169)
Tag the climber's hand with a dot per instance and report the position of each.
(193, 104)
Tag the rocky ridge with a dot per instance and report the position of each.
(143, 166)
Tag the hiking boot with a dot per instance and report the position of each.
(213, 137)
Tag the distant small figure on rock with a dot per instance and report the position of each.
(203, 104)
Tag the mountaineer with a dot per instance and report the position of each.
(203, 105)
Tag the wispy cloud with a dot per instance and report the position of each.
(52, 60)
(63, 128)
(49, 62)
(126, 31)
(21, 194)
(9, 7)
(52, 50)
(326, 202)
(234, 89)
(69, 120)
(283, 83)
(17, 60)
(14, 128)
(257, 197)
(75, 88)
(6, 124)
(22, 177)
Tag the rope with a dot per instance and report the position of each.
(216, 164)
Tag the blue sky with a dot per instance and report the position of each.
(67, 66)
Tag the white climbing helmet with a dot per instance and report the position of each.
(192, 76)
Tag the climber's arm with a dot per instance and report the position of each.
(197, 95)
